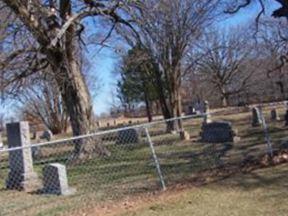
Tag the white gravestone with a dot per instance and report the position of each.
(207, 117)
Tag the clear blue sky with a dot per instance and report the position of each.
(104, 63)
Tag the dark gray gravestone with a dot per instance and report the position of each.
(192, 110)
(1, 141)
(218, 132)
(55, 180)
(21, 174)
(286, 118)
(274, 115)
(48, 135)
(256, 119)
(127, 136)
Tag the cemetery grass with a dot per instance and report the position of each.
(261, 192)
(130, 170)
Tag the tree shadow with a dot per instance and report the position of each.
(270, 178)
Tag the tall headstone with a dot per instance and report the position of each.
(274, 115)
(256, 118)
(286, 118)
(207, 117)
(55, 180)
(21, 174)
(1, 141)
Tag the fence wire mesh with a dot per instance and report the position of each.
(113, 164)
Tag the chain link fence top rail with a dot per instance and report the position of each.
(138, 159)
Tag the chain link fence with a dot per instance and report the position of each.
(110, 165)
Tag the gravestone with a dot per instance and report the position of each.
(286, 118)
(127, 136)
(55, 180)
(184, 135)
(207, 117)
(218, 132)
(21, 174)
(48, 135)
(192, 110)
(36, 152)
(274, 115)
(1, 141)
(256, 118)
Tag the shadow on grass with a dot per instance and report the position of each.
(270, 178)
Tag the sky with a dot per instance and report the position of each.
(106, 66)
(104, 63)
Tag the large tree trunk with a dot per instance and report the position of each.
(74, 89)
(64, 60)
(173, 104)
(179, 111)
(176, 106)
(148, 107)
(74, 92)
(77, 100)
(175, 98)
(166, 112)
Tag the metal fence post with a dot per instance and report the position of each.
(158, 168)
(266, 133)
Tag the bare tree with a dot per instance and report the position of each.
(276, 39)
(43, 103)
(272, 42)
(235, 6)
(167, 29)
(50, 33)
(225, 62)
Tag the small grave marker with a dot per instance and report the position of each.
(256, 120)
(55, 180)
